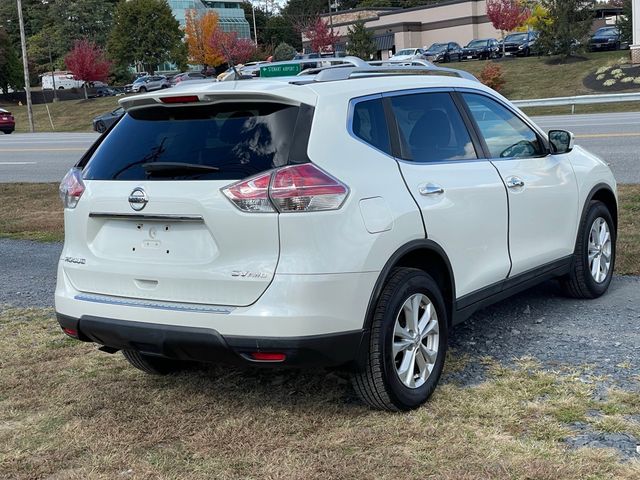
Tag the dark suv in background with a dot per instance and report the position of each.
(605, 38)
(483, 49)
(444, 52)
(521, 44)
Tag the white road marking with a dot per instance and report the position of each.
(18, 163)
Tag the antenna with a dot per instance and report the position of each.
(231, 63)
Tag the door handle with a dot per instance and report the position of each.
(515, 182)
(431, 189)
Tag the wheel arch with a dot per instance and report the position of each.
(425, 255)
(603, 193)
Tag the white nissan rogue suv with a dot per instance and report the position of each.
(348, 219)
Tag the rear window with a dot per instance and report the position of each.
(213, 142)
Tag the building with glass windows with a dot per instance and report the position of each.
(230, 14)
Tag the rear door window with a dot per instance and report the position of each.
(217, 142)
(431, 129)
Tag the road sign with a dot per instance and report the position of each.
(286, 70)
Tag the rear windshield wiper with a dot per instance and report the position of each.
(177, 167)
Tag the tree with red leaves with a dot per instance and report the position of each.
(322, 37)
(234, 50)
(506, 15)
(87, 63)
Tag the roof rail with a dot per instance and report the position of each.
(329, 74)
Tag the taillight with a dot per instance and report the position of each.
(297, 188)
(306, 188)
(71, 188)
(251, 195)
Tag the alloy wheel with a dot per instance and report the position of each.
(415, 340)
(599, 249)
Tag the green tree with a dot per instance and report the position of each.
(361, 42)
(280, 30)
(283, 51)
(569, 26)
(625, 23)
(10, 66)
(145, 32)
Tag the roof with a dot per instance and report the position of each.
(300, 89)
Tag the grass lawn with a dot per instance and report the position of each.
(68, 116)
(33, 211)
(533, 77)
(530, 77)
(68, 411)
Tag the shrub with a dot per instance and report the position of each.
(283, 51)
(616, 71)
(602, 70)
(636, 80)
(492, 76)
(626, 80)
(609, 83)
(600, 77)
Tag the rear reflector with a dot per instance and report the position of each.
(297, 188)
(180, 99)
(71, 188)
(268, 356)
(70, 331)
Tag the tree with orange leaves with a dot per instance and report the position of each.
(199, 29)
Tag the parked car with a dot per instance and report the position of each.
(101, 123)
(252, 68)
(521, 44)
(104, 92)
(185, 77)
(149, 83)
(484, 49)
(444, 52)
(223, 223)
(605, 38)
(7, 121)
(408, 54)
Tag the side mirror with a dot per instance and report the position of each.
(561, 141)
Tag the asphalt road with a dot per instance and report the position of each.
(45, 157)
(41, 157)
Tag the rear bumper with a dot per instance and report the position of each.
(208, 345)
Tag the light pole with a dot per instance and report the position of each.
(25, 66)
(255, 30)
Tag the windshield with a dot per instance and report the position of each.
(404, 52)
(228, 141)
(477, 43)
(516, 37)
(607, 31)
(437, 47)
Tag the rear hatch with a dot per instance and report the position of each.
(153, 223)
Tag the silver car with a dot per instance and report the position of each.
(150, 83)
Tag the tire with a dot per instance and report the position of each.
(101, 127)
(152, 365)
(142, 90)
(377, 381)
(580, 282)
(60, 88)
(446, 59)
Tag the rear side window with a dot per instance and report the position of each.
(370, 125)
(226, 141)
(431, 128)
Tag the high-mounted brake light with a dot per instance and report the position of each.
(71, 188)
(180, 99)
(296, 188)
(306, 188)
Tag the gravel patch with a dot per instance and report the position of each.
(28, 272)
(626, 445)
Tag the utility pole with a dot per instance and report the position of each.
(53, 77)
(333, 46)
(25, 65)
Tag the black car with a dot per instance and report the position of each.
(104, 92)
(101, 123)
(605, 38)
(483, 49)
(444, 52)
(521, 44)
